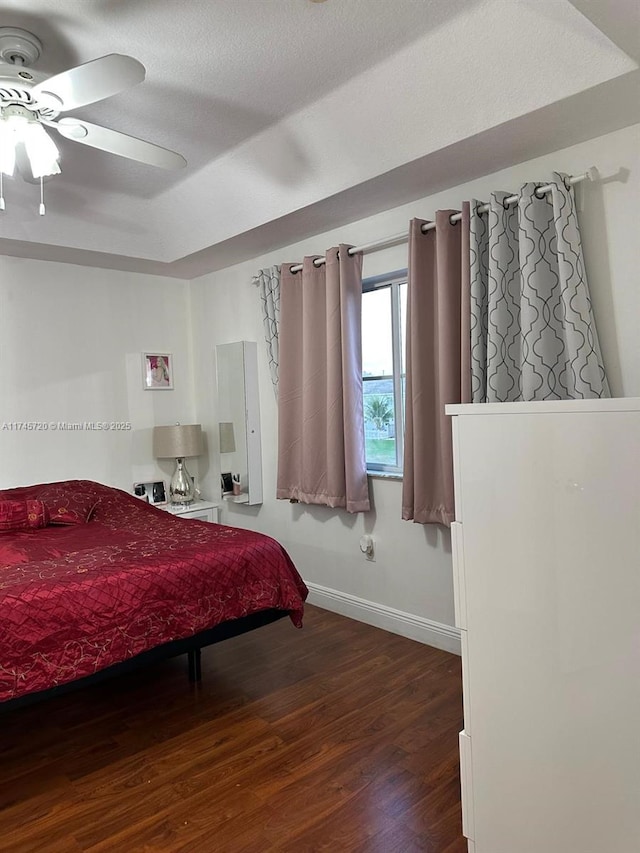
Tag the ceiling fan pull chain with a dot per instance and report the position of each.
(2, 204)
(42, 210)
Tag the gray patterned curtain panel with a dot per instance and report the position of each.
(533, 335)
(268, 283)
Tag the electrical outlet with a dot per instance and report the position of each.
(367, 548)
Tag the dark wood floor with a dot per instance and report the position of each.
(339, 737)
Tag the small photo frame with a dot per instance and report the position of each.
(226, 482)
(153, 493)
(157, 371)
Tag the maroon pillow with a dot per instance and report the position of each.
(23, 515)
(67, 506)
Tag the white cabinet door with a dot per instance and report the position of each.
(459, 580)
(551, 509)
(466, 785)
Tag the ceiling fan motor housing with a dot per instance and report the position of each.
(18, 47)
(18, 50)
(16, 89)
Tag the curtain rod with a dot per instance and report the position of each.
(590, 175)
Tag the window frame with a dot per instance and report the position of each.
(393, 280)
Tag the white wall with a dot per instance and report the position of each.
(71, 339)
(412, 572)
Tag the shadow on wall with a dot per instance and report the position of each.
(322, 514)
(435, 535)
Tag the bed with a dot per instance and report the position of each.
(97, 577)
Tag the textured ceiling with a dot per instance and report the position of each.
(217, 72)
(281, 105)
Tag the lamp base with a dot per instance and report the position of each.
(182, 490)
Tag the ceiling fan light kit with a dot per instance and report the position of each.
(31, 102)
(20, 126)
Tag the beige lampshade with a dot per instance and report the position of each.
(227, 438)
(179, 440)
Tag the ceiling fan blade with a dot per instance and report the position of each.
(118, 143)
(90, 82)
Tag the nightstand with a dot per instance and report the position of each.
(200, 510)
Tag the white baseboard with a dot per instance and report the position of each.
(444, 637)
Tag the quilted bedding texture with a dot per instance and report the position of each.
(77, 599)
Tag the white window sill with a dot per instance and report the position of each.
(384, 475)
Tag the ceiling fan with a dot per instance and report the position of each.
(30, 102)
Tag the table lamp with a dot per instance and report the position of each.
(178, 442)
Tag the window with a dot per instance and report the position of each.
(384, 308)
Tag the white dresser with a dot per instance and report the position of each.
(199, 510)
(546, 548)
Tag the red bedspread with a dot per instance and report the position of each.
(76, 599)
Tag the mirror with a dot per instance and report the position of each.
(238, 415)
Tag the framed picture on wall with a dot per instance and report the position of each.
(157, 371)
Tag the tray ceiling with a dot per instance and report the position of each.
(284, 107)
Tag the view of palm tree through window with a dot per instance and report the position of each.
(383, 371)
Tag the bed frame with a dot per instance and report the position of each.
(191, 646)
